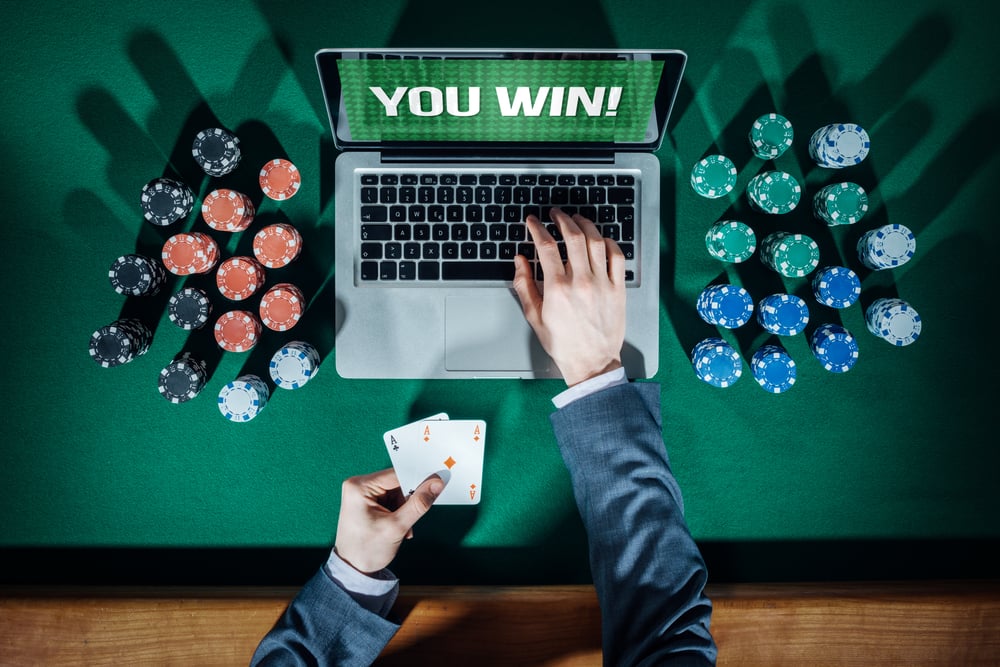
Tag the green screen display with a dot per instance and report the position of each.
(499, 100)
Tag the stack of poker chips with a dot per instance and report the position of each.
(189, 308)
(137, 275)
(294, 364)
(773, 368)
(791, 255)
(216, 151)
(277, 245)
(727, 306)
(716, 362)
(840, 145)
(279, 179)
(730, 241)
(183, 379)
(714, 176)
(227, 210)
(120, 342)
(770, 136)
(242, 399)
(282, 306)
(840, 204)
(783, 314)
(239, 278)
(237, 331)
(836, 286)
(834, 347)
(774, 192)
(165, 201)
(894, 321)
(886, 247)
(184, 254)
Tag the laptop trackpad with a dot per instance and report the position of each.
(489, 333)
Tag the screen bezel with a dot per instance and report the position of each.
(673, 68)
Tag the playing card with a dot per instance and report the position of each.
(455, 446)
(401, 443)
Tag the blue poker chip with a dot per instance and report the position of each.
(836, 286)
(716, 362)
(726, 306)
(783, 314)
(773, 369)
(834, 347)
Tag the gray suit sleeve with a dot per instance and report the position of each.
(647, 569)
(323, 625)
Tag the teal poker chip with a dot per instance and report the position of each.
(770, 136)
(714, 176)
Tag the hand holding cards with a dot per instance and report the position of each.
(451, 449)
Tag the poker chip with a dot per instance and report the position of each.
(239, 278)
(237, 331)
(716, 362)
(839, 145)
(184, 254)
(242, 399)
(120, 342)
(183, 379)
(791, 255)
(834, 347)
(840, 204)
(281, 307)
(726, 306)
(836, 286)
(227, 210)
(165, 201)
(886, 247)
(730, 241)
(714, 176)
(894, 321)
(277, 245)
(279, 179)
(774, 192)
(216, 151)
(773, 369)
(783, 314)
(136, 275)
(189, 308)
(294, 365)
(770, 136)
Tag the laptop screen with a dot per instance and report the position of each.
(422, 98)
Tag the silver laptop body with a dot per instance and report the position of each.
(392, 325)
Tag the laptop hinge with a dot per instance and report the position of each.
(509, 156)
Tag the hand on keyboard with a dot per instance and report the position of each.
(580, 319)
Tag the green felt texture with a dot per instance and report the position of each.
(96, 103)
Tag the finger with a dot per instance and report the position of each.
(379, 482)
(616, 262)
(546, 248)
(577, 254)
(595, 245)
(527, 290)
(417, 504)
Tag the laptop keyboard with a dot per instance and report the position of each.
(468, 226)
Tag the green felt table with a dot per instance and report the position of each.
(886, 471)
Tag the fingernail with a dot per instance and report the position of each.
(436, 487)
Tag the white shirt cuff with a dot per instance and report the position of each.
(376, 593)
(591, 386)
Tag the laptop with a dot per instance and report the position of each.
(444, 152)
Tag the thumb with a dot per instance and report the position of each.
(527, 290)
(417, 504)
